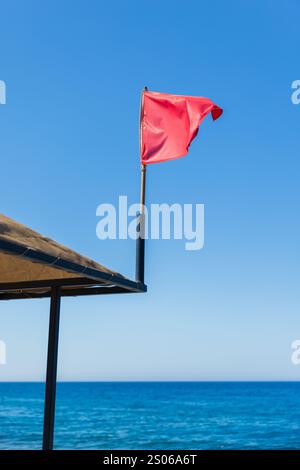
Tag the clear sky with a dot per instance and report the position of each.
(69, 141)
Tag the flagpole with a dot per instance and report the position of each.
(140, 242)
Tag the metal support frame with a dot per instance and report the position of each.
(49, 414)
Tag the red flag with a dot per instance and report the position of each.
(169, 123)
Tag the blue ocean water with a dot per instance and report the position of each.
(168, 415)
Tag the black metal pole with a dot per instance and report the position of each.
(49, 413)
(140, 242)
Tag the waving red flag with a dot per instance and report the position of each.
(169, 123)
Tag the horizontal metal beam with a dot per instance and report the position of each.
(7, 286)
(81, 291)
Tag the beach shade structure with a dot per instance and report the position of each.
(32, 267)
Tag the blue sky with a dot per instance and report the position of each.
(69, 141)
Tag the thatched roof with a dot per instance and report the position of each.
(30, 261)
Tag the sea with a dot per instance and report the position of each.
(154, 415)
